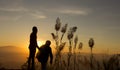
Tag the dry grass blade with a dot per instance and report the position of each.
(58, 24)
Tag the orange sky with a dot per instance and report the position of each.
(97, 19)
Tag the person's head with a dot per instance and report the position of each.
(34, 29)
(48, 42)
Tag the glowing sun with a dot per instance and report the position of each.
(40, 43)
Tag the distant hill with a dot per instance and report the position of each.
(12, 49)
(12, 57)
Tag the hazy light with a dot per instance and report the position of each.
(40, 43)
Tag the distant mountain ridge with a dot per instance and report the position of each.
(12, 54)
(10, 49)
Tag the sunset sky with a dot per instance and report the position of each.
(99, 19)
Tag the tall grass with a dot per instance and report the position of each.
(91, 44)
(70, 36)
(59, 43)
(73, 60)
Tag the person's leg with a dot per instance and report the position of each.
(33, 61)
(29, 61)
(43, 66)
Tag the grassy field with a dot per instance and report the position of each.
(82, 62)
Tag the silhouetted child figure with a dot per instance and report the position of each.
(44, 52)
(32, 48)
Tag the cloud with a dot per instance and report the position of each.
(20, 12)
(74, 12)
(70, 11)
(20, 9)
(38, 14)
(9, 18)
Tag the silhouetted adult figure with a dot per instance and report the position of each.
(32, 48)
(45, 52)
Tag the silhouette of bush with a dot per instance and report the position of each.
(113, 63)
(1, 67)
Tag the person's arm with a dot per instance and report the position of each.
(37, 47)
(51, 56)
(36, 42)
